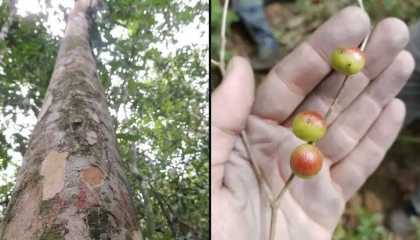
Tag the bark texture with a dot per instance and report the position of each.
(71, 185)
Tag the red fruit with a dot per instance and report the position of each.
(306, 160)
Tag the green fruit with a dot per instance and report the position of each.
(309, 126)
(348, 61)
(306, 161)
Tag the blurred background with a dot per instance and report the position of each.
(152, 58)
(367, 214)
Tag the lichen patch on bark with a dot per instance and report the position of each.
(137, 235)
(52, 233)
(92, 176)
(52, 169)
(75, 226)
(93, 115)
(45, 107)
(91, 137)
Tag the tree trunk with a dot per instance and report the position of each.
(71, 184)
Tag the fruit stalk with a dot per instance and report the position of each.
(337, 95)
(361, 5)
(362, 48)
(262, 180)
(283, 190)
(274, 205)
(221, 64)
(273, 222)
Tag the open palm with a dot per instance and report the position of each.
(362, 127)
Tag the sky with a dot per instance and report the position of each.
(193, 33)
(56, 24)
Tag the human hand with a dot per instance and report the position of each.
(361, 129)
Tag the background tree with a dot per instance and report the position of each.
(156, 89)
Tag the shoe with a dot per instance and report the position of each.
(266, 58)
(401, 220)
(268, 2)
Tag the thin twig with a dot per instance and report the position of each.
(361, 5)
(274, 205)
(283, 190)
(273, 221)
(337, 96)
(214, 62)
(260, 176)
(221, 64)
(362, 48)
(223, 39)
(364, 43)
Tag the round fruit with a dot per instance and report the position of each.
(306, 160)
(309, 126)
(348, 61)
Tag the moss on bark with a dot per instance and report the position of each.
(46, 206)
(99, 223)
(52, 233)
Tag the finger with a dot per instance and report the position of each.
(353, 171)
(345, 133)
(271, 140)
(230, 106)
(298, 73)
(387, 40)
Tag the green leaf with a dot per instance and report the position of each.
(132, 87)
(389, 4)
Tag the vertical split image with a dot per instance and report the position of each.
(104, 120)
(314, 119)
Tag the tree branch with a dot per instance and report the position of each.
(223, 39)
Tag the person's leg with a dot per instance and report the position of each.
(251, 13)
(400, 217)
(411, 92)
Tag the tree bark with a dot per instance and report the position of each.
(71, 184)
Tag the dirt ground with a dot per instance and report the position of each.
(396, 178)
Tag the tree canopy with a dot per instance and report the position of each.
(152, 59)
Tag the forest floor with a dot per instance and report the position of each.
(367, 212)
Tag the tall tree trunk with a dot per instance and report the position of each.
(71, 184)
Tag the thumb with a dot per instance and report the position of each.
(230, 106)
(231, 102)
